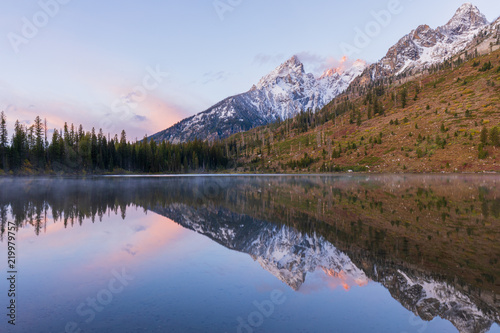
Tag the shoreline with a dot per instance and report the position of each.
(226, 174)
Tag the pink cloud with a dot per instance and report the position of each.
(318, 64)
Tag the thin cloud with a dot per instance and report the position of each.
(318, 64)
(140, 118)
(214, 77)
(264, 59)
(129, 249)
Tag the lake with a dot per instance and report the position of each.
(355, 253)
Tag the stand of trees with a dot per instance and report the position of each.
(75, 150)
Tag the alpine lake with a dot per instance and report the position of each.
(251, 253)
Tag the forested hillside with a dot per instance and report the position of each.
(445, 120)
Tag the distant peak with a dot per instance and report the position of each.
(467, 8)
(330, 72)
(467, 16)
(293, 63)
(344, 66)
(335, 70)
(291, 67)
(294, 60)
(360, 63)
(467, 5)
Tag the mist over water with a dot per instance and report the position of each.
(255, 253)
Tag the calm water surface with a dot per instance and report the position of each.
(253, 254)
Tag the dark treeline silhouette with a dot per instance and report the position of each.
(74, 150)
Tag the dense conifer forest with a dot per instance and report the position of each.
(73, 150)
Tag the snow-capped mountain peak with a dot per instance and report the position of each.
(330, 72)
(292, 70)
(343, 75)
(426, 46)
(294, 64)
(343, 67)
(467, 17)
(359, 65)
(335, 70)
(281, 94)
(289, 89)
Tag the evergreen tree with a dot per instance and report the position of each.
(484, 136)
(67, 137)
(94, 150)
(404, 95)
(495, 137)
(3, 140)
(19, 146)
(39, 152)
(56, 148)
(122, 150)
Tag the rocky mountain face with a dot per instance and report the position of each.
(425, 46)
(289, 255)
(281, 94)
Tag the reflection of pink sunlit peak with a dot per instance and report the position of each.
(342, 279)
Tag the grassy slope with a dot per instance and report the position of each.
(443, 99)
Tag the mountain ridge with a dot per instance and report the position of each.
(288, 89)
(424, 46)
(278, 95)
(442, 121)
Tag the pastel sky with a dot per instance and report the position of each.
(90, 62)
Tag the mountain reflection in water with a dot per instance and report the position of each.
(431, 241)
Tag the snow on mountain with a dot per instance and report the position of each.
(496, 24)
(467, 19)
(425, 46)
(280, 94)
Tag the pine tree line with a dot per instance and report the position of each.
(75, 150)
